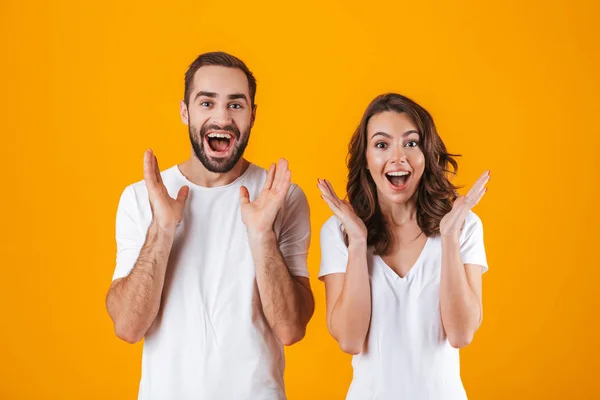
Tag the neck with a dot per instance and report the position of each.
(400, 215)
(402, 218)
(197, 173)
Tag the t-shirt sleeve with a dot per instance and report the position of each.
(130, 237)
(334, 253)
(294, 238)
(472, 249)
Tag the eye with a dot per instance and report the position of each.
(411, 143)
(205, 104)
(381, 145)
(235, 105)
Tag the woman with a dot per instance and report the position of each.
(402, 259)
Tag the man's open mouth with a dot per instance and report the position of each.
(220, 142)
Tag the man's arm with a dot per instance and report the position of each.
(134, 301)
(287, 300)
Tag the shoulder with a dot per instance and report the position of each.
(295, 194)
(172, 179)
(472, 219)
(472, 226)
(254, 174)
(136, 194)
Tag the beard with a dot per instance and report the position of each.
(218, 165)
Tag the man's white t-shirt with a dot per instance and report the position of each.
(406, 353)
(210, 339)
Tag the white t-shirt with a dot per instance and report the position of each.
(406, 354)
(210, 339)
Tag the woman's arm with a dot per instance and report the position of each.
(460, 284)
(348, 294)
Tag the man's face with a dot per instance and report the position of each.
(219, 116)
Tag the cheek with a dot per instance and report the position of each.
(375, 161)
(195, 125)
(243, 121)
(197, 118)
(417, 162)
(417, 159)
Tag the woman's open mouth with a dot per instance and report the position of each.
(398, 179)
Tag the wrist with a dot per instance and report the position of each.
(357, 244)
(163, 227)
(357, 241)
(450, 239)
(259, 236)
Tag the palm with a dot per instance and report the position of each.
(165, 209)
(452, 223)
(259, 215)
(353, 225)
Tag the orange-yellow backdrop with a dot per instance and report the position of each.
(514, 87)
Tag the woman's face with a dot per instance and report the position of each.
(394, 156)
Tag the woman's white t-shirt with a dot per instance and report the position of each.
(406, 353)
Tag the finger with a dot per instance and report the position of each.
(280, 174)
(332, 206)
(332, 190)
(270, 177)
(157, 170)
(320, 185)
(244, 195)
(326, 194)
(285, 184)
(182, 195)
(325, 190)
(331, 194)
(340, 213)
(149, 176)
(479, 183)
(476, 198)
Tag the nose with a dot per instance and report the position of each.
(221, 116)
(398, 155)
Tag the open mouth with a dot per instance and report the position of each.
(219, 142)
(398, 179)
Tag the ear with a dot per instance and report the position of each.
(253, 115)
(183, 112)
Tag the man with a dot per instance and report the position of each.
(211, 254)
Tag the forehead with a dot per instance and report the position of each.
(390, 122)
(220, 80)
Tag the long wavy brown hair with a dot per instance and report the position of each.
(435, 193)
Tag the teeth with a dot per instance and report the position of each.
(219, 136)
(397, 173)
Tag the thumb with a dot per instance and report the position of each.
(244, 195)
(182, 195)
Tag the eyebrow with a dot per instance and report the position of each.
(236, 96)
(387, 135)
(212, 95)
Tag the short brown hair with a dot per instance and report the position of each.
(221, 59)
(435, 193)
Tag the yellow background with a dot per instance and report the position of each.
(514, 87)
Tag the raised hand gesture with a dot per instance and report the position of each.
(353, 225)
(167, 212)
(259, 215)
(452, 223)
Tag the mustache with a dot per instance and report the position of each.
(214, 127)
